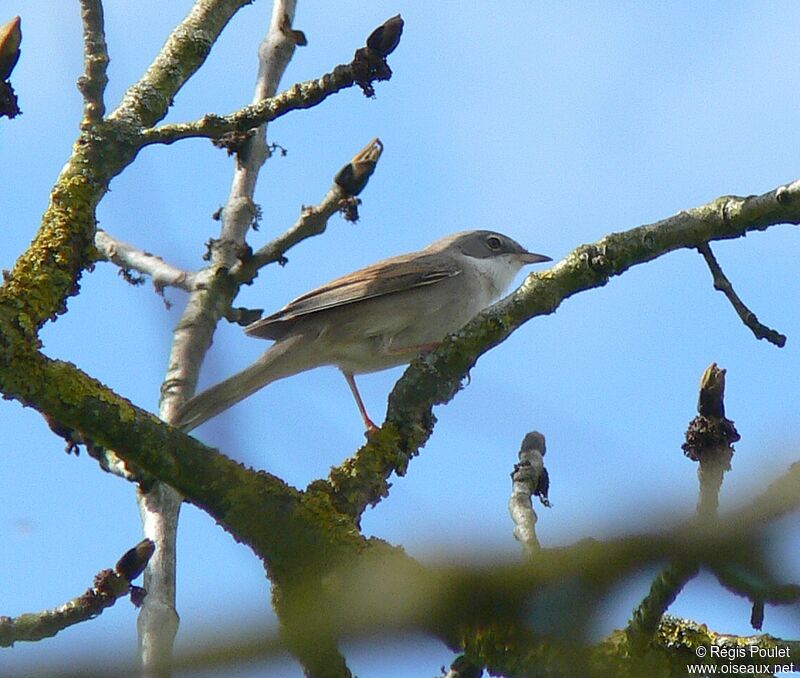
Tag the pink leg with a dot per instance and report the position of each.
(351, 382)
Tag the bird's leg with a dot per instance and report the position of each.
(351, 382)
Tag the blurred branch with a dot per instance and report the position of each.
(368, 65)
(291, 529)
(507, 655)
(92, 83)
(725, 286)
(128, 258)
(464, 668)
(108, 587)
(434, 379)
(665, 588)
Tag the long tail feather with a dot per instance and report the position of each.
(278, 362)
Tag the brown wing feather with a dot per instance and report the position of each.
(385, 277)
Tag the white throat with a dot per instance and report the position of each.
(496, 273)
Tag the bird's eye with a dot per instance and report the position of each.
(494, 243)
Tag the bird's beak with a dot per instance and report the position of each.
(531, 258)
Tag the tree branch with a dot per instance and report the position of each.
(725, 286)
(160, 505)
(186, 49)
(434, 379)
(314, 220)
(92, 83)
(292, 530)
(529, 478)
(367, 66)
(108, 587)
(128, 257)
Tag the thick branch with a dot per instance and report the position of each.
(92, 83)
(294, 530)
(108, 587)
(186, 49)
(436, 378)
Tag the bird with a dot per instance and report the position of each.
(375, 318)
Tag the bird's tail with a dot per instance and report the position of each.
(276, 363)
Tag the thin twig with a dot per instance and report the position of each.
(128, 257)
(367, 66)
(722, 284)
(92, 83)
(314, 220)
(108, 587)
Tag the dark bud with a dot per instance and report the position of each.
(385, 38)
(234, 142)
(9, 104)
(131, 277)
(533, 441)
(10, 39)
(133, 562)
(244, 316)
(349, 208)
(297, 37)
(711, 402)
(543, 488)
(353, 177)
(71, 437)
(137, 596)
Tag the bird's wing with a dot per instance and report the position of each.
(386, 277)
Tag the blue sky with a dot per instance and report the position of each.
(555, 123)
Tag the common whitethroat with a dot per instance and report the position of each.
(375, 318)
